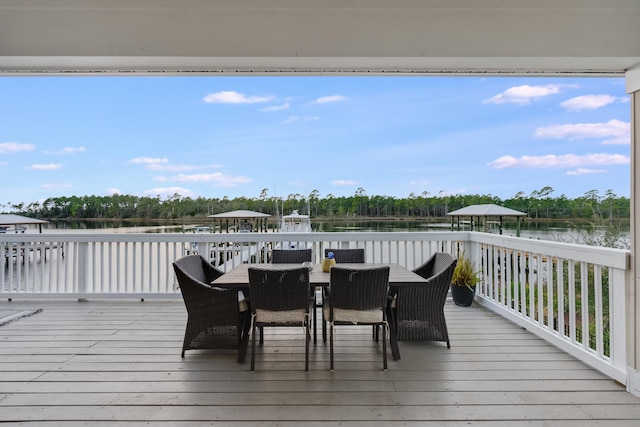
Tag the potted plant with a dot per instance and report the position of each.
(463, 282)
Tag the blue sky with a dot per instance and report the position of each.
(235, 136)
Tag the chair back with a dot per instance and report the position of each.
(194, 274)
(358, 289)
(290, 256)
(347, 256)
(420, 308)
(197, 268)
(279, 290)
(437, 263)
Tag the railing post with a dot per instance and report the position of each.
(617, 319)
(82, 267)
(633, 292)
(474, 252)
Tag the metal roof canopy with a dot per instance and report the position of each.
(241, 218)
(12, 219)
(328, 37)
(240, 214)
(484, 211)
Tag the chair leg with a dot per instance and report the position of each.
(306, 351)
(384, 347)
(331, 338)
(324, 328)
(253, 346)
(393, 333)
(245, 322)
(315, 322)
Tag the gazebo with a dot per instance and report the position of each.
(7, 220)
(242, 220)
(482, 213)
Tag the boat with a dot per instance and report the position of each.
(16, 229)
(295, 222)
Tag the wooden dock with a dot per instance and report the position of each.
(117, 363)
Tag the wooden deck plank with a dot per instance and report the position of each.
(287, 412)
(305, 423)
(118, 363)
(346, 398)
(226, 375)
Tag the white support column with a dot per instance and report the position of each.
(633, 285)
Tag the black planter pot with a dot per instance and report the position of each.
(462, 295)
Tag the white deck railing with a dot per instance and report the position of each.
(540, 285)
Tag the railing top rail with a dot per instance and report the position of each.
(238, 237)
(610, 257)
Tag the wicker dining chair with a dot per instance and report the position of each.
(279, 298)
(290, 256)
(357, 297)
(298, 256)
(216, 319)
(418, 310)
(347, 256)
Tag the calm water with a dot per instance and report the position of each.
(556, 231)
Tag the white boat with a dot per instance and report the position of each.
(295, 222)
(16, 229)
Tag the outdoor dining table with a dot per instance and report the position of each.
(238, 278)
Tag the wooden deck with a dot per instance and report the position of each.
(117, 363)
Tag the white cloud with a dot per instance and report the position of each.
(67, 150)
(343, 182)
(112, 191)
(625, 140)
(148, 160)
(588, 102)
(54, 186)
(179, 168)
(613, 128)
(419, 183)
(559, 161)
(162, 164)
(15, 147)
(328, 99)
(218, 179)
(300, 119)
(523, 94)
(284, 106)
(44, 167)
(584, 171)
(231, 97)
(168, 191)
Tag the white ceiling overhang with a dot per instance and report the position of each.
(558, 37)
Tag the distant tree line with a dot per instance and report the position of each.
(538, 204)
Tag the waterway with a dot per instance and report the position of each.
(560, 231)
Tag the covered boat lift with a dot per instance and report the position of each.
(7, 220)
(482, 213)
(243, 221)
